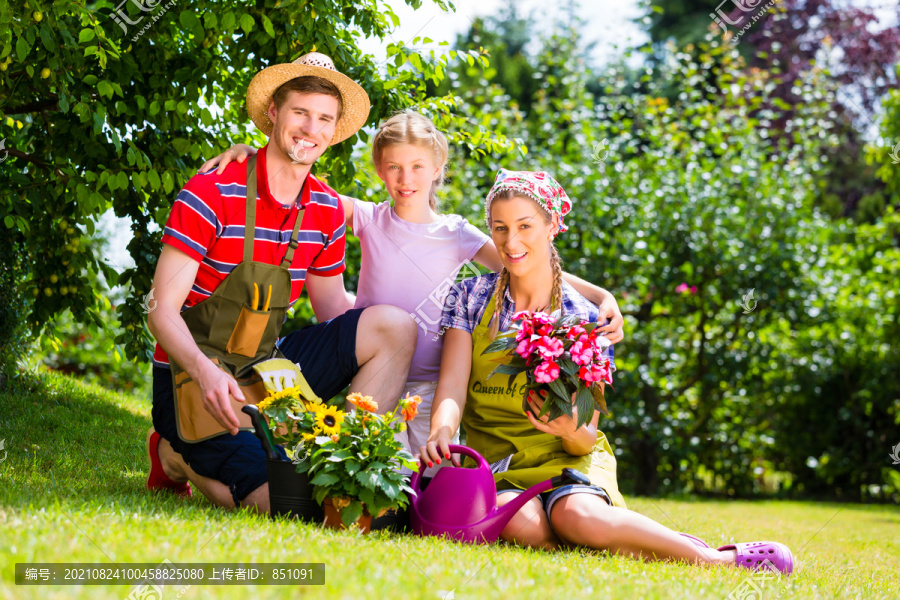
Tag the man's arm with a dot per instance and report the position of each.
(328, 297)
(175, 274)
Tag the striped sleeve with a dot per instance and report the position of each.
(330, 259)
(193, 224)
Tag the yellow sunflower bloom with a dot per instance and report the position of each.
(329, 419)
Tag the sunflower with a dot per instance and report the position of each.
(329, 419)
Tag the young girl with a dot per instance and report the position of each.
(412, 254)
(524, 212)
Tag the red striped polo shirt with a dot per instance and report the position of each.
(207, 223)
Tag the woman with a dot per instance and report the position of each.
(524, 212)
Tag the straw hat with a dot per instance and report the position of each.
(355, 100)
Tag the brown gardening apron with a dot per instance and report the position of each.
(237, 327)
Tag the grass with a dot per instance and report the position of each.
(72, 490)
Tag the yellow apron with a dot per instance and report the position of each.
(497, 428)
(237, 327)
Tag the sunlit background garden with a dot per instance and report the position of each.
(735, 169)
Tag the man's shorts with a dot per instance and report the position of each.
(326, 354)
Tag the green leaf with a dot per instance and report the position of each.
(247, 23)
(599, 399)
(105, 89)
(267, 25)
(501, 343)
(585, 404)
(559, 388)
(228, 21)
(505, 369)
(351, 514)
(86, 35)
(324, 479)
(153, 179)
(46, 39)
(22, 48)
(368, 479)
(168, 182)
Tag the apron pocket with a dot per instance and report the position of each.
(248, 332)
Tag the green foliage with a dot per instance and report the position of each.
(91, 353)
(14, 306)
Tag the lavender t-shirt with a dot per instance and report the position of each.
(413, 266)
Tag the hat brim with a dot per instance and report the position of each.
(261, 89)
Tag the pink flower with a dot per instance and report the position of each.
(549, 348)
(582, 352)
(542, 318)
(693, 289)
(593, 373)
(681, 288)
(522, 315)
(525, 348)
(546, 372)
(544, 329)
(525, 331)
(575, 332)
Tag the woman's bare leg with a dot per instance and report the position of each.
(587, 520)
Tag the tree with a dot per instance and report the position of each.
(789, 39)
(113, 107)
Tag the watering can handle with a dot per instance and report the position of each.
(456, 449)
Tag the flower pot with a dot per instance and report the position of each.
(333, 517)
(290, 493)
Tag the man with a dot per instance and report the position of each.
(206, 294)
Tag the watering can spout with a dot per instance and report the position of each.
(506, 512)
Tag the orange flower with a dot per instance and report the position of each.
(362, 402)
(410, 407)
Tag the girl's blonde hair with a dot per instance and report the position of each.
(410, 127)
(503, 277)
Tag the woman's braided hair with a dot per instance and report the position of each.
(503, 276)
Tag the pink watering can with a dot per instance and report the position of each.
(462, 503)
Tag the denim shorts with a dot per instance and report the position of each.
(548, 499)
(327, 355)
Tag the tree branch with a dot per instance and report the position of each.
(33, 107)
(29, 157)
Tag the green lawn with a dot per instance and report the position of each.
(72, 490)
